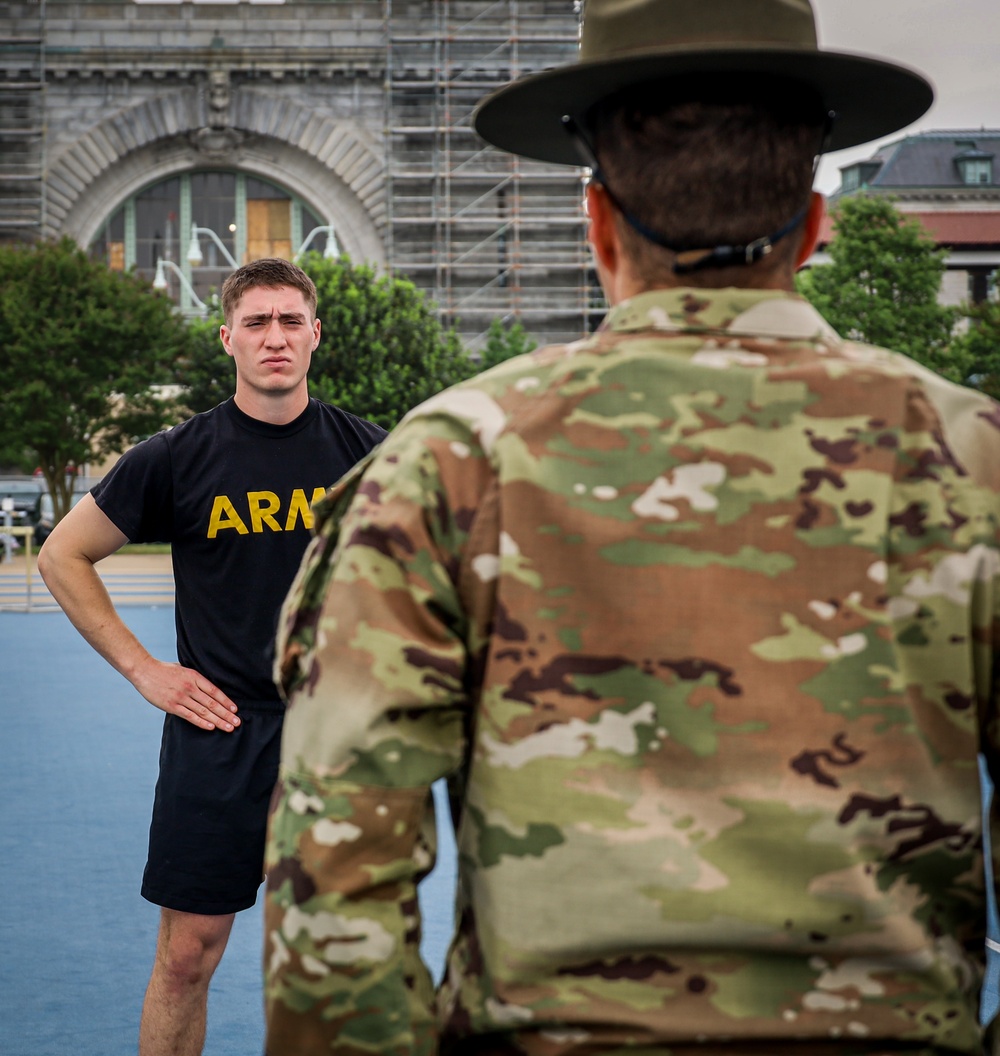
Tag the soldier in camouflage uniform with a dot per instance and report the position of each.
(697, 616)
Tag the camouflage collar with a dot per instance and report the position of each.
(761, 313)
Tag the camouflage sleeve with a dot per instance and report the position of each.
(374, 653)
(971, 432)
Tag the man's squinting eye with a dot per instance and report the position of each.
(255, 324)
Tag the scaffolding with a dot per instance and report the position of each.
(22, 119)
(486, 234)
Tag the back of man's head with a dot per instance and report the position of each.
(703, 162)
(707, 115)
(269, 273)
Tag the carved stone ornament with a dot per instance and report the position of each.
(218, 96)
(216, 143)
(217, 139)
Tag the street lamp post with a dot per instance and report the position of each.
(332, 249)
(196, 258)
(160, 281)
(194, 254)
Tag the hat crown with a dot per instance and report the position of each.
(627, 43)
(614, 28)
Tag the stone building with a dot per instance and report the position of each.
(949, 181)
(182, 137)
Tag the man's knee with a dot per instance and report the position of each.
(190, 946)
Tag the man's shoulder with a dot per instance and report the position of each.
(332, 416)
(339, 414)
(964, 419)
(157, 452)
(950, 397)
(195, 425)
(482, 408)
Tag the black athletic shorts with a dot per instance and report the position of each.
(206, 839)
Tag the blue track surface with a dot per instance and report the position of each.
(78, 758)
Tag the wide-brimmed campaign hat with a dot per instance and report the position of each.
(625, 43)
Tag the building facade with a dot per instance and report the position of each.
(183, 137)
(949, 181)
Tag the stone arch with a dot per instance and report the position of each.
(331, 165)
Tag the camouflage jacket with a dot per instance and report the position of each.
(698, 617)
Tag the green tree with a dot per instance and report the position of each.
(979, 347)
(84, 348)
(882, 284)
(504, 342)
(205, 372)
(382, 349)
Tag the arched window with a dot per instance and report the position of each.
(189, 231)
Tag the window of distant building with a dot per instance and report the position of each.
(976, 170)
(201, 222)
(855, 177)
(974, 166)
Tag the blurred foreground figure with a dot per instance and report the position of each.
(697, 615)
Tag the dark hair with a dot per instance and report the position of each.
(707, 161)
(269, 273)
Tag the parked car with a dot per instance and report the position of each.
(24, 491)
(45, 515)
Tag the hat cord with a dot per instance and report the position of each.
(717, 256)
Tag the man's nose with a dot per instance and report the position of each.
(275, 333)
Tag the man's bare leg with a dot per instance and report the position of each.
(188, 950)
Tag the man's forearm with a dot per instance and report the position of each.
(67, 562)
(69, 572)
(75, 584)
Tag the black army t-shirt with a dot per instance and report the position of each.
(232, 496)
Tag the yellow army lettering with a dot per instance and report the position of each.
(262, 510)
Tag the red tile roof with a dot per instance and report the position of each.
(956, 230)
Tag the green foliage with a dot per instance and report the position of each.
(979, 348)
(206, 372)
(83, 348)
(382, 349)
(504, 342)
(882, 284)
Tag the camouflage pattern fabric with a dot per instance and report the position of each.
(698, 616)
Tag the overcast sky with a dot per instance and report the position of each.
(954, 43)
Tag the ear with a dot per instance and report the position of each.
(317, 330)
(225, 337)
(811, 228)
(601, 230)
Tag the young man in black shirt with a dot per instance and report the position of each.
(231, 490)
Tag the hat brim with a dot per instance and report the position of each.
(871, 98)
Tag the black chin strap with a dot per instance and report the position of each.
(691, 258)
